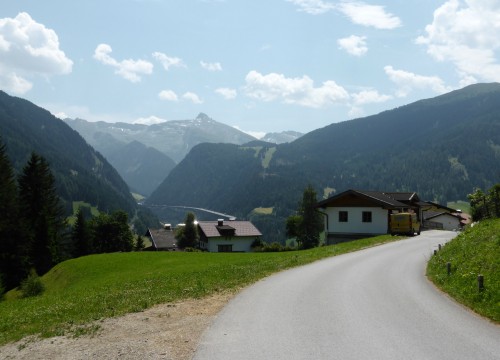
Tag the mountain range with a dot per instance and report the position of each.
(80, 172)
(145, 154)
(442, 148)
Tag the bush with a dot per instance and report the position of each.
(32, 285)
(257, 243)
(273, 247)
(192, 249)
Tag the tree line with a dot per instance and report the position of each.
(34, 232)
(485, 205)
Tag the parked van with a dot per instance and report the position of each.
(404, 223)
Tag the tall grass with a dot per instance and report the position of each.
(94, 287)
(474, 252)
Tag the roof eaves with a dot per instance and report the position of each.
(383, 198)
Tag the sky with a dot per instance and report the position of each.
(258, 65)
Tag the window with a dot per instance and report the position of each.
(367, 216)
(343, 216)
(225, 248)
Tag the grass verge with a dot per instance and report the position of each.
(474, 252)
(90, 288)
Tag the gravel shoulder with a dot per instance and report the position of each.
(167, 331)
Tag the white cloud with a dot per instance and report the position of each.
(466, 34)
(365, 97)
(61, 115)
(168, 61)
(28, 48)
(168, 95)
(194, 98)
(407, 82)
(369, 97)
(128, 69)
(356, 112)
(299, 91)
(313, 7)
(211, 66)
(369, 15)
(255, 134)
(151, 120)
(13, 83)
(227, 93)
(354, 45)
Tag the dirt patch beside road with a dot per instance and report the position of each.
(167, 331)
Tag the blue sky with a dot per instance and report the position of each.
(260, 65)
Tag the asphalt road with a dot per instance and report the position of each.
(372, 304)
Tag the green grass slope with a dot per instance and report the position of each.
(474, 252)
(80, 291)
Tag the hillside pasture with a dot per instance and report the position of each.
(473, 253)
(82, 291)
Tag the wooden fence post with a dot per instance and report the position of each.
(480, 282)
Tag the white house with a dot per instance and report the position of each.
(227, 236)
(446, 220)
(437, 216)
(356, 214)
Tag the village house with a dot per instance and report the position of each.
(436, 216)
(227, 235)
(162, 239)
(355, 214)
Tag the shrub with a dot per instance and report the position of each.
(192, 249)
(32, 285)
(257, 243)
(273, 247)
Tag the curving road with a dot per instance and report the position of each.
(372, 304)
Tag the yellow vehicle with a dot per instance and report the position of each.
(404, 223)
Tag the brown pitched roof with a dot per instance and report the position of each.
(439, 206)
(241, 228)
(389, 200)
(403, 196)
(162, 238)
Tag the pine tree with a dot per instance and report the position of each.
(495, 199)
(187, 236)
(139, 243)
(307, 225)
(80, 236)
(312, 221)
(42, 214)
(13, 265)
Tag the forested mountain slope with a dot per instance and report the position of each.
(143, 168)
(81, 173)
(145, 154)
(441, 148)
(173, 138)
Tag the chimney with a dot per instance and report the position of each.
(220, 222)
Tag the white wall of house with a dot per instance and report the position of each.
(449, 222)
(238, 244)
(355, 224)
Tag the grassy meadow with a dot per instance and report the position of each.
(83, 290)
(474, 252)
